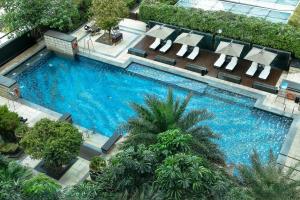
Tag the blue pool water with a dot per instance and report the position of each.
(98, 97)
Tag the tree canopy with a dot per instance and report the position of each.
(54, 141)
(22, 15)
(108, 13)
(160, 115)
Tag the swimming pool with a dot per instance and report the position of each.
(98, 94)
(258, 8)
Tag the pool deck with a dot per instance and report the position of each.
(207, 59)
(117, 55)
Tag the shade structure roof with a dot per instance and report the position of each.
(160, 31)
(260, 56)
(230, 48)
(188, 39)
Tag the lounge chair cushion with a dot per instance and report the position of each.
(231, 65)
(265, 73)
(252, 69)
(182, 50)
(194, 53)
(220, 61)
(166, 47)
(155, 44)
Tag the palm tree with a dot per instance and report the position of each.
(269, 182)
(158, 116)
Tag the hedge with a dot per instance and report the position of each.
(249, 29)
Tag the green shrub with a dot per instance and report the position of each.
(9, 122)
(130, 3)
(97, 164)
(9, 148)
(40, 187)
(240, 27)
(295, 18)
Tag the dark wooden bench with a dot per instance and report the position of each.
(137, 52)
(110, 142)
(229, 77)
(166, 60)
(265, 87)
(197, 68)
(67, 117)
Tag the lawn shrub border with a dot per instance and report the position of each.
(249, 29)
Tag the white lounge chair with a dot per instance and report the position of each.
(220, 61)
(252, 69)
(231, 65)
(265, 73)
(155, 44)
(194, 53)
(166, 47)
(182, 50)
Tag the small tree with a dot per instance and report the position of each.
(108, 13)
(9, 122)
(54, 141)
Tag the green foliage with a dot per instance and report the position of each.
(98, 164)
(295, 18)
(172, 142)
(158, 116)
(130, 3)
(269, 182)
(23, 15)
(8, 148)
(54, 141)
(131, 168)
(81, 191)
(108, 13)
(40, 187)
(184, 177)
(9, 122)
(11, 177)
(240, 27)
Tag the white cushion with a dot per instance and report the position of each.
(265, 73)
(194, 53)
(182, 50)
(231, 65)
(155, 44)
(166, 47)
(220, 61)
(252, 69)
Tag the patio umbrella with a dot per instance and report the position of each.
(188, 39)
(159, 31)
(260, 56)
(230, 48)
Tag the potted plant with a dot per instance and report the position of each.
(97, 166)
